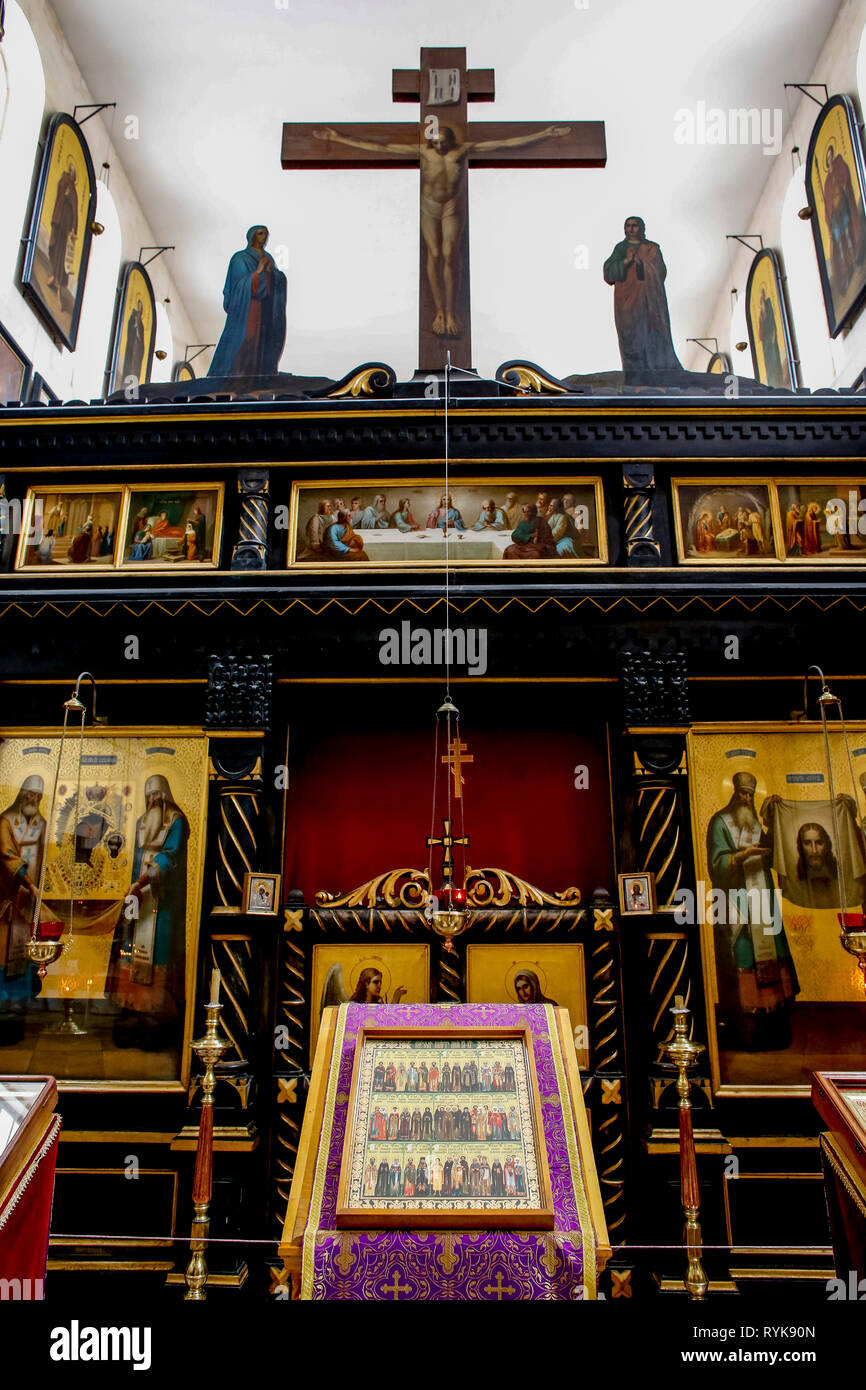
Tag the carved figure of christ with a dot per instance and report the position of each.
(442, 160)
(444, 144)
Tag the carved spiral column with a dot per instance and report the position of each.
(657, 815)
(251, 551)
(235, 770)
(638, 485)
(610, 1116)
(668, 961)
(290, 1061)
(449, 985)
(237, 841)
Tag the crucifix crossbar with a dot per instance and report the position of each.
(443, 145)
(447, 841)
(457, 757)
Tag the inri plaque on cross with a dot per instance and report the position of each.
(443, 145)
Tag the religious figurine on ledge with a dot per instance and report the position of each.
(637, 272)
(254, 298)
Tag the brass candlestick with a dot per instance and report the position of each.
(683, 1053)
(209, 1050)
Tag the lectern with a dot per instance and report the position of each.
(445, 1154)
(840, 1099)
(29, 1131)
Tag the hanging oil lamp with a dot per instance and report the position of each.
(44, 945)
(852, 922)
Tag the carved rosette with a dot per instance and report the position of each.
(251, 551)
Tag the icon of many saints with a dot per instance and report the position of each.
(481, 1124)
(429, 1176)
(424, 1078)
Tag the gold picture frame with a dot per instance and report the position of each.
(532, 973)
(360, 1209)
(261, 894)
(57, 246)
(423, 546)
(822, 535)
(835, 189)
(109, 956)
(708, 513)
(134, 331)
(637, 894)
(808, 990)
(768, 323)
(162, 516)
(61, 522)
(340, 972)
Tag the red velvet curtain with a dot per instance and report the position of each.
(360, 804)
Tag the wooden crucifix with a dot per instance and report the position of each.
(443, 145)
(447, 841)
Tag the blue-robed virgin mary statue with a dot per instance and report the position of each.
(254, 298)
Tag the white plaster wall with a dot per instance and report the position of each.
(837, 66)
(71, 375)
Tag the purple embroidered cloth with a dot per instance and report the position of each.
(434, 1264)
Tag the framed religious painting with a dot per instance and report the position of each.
(821, 521)
(104, 847)
(57, 248)
(532, 974)
(134, 331)
(70, 528)
(41, 393)
(464, 1154)
(380, 973)
(835, 190)
(768, 325)
(637, 894)
(412, 523)
(261, 893)
(777, 859)
(721, 521)
(14, 369)
(171, 527)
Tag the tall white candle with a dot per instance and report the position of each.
(215, 987)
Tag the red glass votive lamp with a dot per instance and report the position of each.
(851, 921)
(451, 899)
(49, 930)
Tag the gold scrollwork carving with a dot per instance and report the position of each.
(361, 384)
(496, 888)
(531, 379)
(397, 888)
(484, 888)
